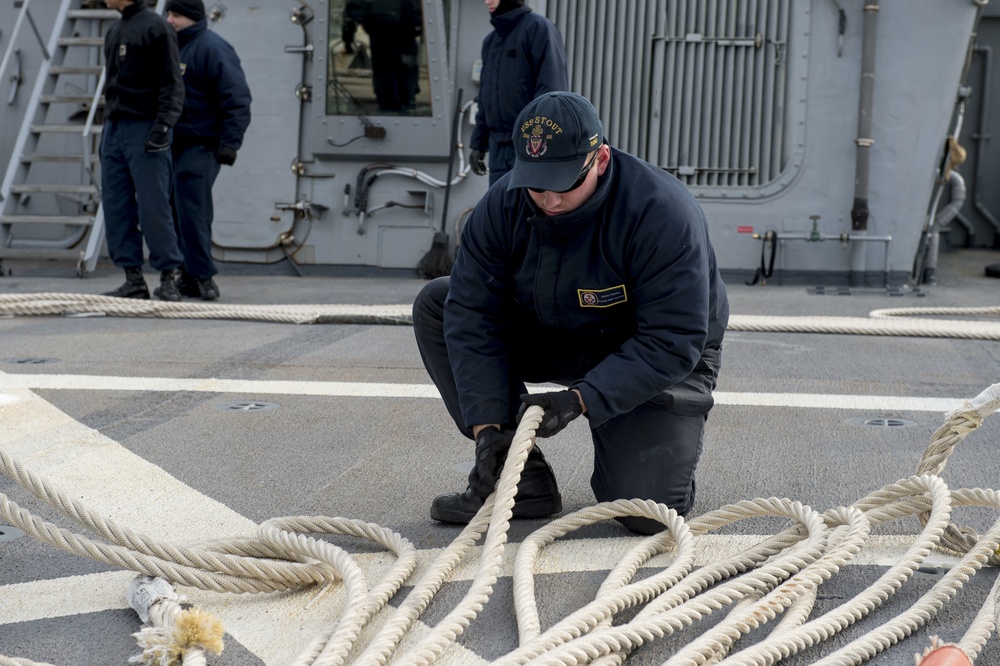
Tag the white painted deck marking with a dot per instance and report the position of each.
(380, 390)
(80, 460)
(127, 489)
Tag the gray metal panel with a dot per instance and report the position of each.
(690, 85)
(246, 193)
(764, 130)
(920, 51)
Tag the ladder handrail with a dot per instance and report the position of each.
(32, 107)
(88, 127)
(8, 52)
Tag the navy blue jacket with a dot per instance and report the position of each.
(628, 282)
(143, 76)
(217, 103)
(522, 58)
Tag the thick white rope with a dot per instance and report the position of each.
(878, 322)
(778, 576)
(111, 306)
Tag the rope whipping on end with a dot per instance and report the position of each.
(942, 654)
(172, 636)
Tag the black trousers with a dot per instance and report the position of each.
(501, 156)
(195, 170)
(136, 197)
(648, 453)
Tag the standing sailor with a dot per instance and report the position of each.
(522, 58)
(144, 95)
(207, 136)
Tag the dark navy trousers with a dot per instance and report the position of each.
(650, 452)
(195, 170)
(501, 157)
(136, 197)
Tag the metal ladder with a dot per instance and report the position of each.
(50, 199)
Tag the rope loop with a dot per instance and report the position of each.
(776, 580)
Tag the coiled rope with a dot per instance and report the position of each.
(914, 322)
(777, 577)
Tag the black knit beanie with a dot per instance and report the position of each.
(193, 9)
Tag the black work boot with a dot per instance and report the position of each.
(167, 291)
(187, 285)
(134, 286)
(208, 290)
(537, 495)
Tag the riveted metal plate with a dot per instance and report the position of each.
(248, 406)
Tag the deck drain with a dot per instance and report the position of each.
(31, 361)
(248, 406)
(882, 423)
(8, 533)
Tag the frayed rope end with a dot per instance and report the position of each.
(193, 629)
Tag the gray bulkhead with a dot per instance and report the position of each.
(756, 104)
(318, 126)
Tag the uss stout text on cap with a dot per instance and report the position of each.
(552, 137)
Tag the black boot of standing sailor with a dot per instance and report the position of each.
(134, 286)
(168, 291)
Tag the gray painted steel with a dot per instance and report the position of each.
(754, 104)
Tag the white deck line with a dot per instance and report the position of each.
(13, 382)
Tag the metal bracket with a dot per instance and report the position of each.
(302, 15)
(698, 38)
(217, 12)
(303, 206)
(307, 50)
(16, 79)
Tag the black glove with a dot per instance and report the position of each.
(226, 155)
(560, 407)
(158, 139)
(477, 160)
(491, 452)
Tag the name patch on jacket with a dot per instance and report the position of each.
(602, 298)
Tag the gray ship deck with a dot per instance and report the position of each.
(119, 412)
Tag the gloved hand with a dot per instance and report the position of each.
(226, 155)
(158, 139)
(491, 452)
(477, 160)
(560, 407)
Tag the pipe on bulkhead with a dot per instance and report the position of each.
(864, 141)
(814, 236)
